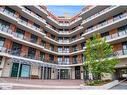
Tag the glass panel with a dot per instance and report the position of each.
(25, 71)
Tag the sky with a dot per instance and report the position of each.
(60, 10)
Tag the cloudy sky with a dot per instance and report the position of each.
(60, 10)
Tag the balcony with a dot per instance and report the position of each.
(31, 28)
(8, 16)
(98, 14)
(63, 63)
(34, 17)
(119, 35)
(107, 25)
(120, 53)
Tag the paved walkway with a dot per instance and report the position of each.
(121, 86)
(40, 84)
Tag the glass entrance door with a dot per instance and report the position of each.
(14, 71)
(77, 72)
(64, 74)
(46, 73)
(25, 71)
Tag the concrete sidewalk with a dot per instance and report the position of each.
(12, 83)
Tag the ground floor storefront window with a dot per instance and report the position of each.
(23, 70)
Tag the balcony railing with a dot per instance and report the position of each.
(107, 22)
(95, 15)
(116, 35)
(8, 12)
(33, 14)
(121, 52)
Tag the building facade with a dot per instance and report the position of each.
(34, 43)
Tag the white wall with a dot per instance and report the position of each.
(7, 69)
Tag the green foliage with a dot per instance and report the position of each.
(99, 56)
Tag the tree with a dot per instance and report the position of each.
(99, 57)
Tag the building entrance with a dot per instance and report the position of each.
(24, 70)
(77, 72)
(46, 73)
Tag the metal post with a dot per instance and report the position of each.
(46, 73)
(59, 73)
(43, 71)
(18, 71)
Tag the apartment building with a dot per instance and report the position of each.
(34, 43)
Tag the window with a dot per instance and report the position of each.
(66, 59)
(0, 59)
(16, 48)
(75, 59)
(33, 38)
(59, 59)
(83, 45)
(42, 56)
(66, 39)
(20, 33)
(116, 17)
(125, 48)
(73, 38)
(24, 20)
(1, 42)
(4, 26)
(52, 36)
(83, 58)
(31, 53)
(51, 57)
(74, 48)
(122, 31)
(60, 49)
(36, 26)
(51, 47)
(60, 39)
(43, 43)
(9, 11)
(66, 49)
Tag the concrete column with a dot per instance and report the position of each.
(2, 66)
(18, 71)
(52, 73)
(43, 72)
(73, 72)
(59, 74)
(81, 70)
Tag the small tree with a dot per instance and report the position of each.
(99, 57)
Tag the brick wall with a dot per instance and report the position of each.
(117, 46)
(24, 50)
(37, 55)
(8, 44)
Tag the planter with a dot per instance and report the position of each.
(105, 86)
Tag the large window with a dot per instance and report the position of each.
(43, 43)
(24, 20)
(60, 39)
(33, 38)
(66, 49)
(60, 49)
(9, 11)
(122, 31)
(1, 42)
(66, 59)
(16, 48)
(74, 48)
(75, 59)
(125, 48)
(20, 33)
(4, 26)
(51, 57)
(59, 59)
(42, 56)
(51, 47)
(31, 53)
